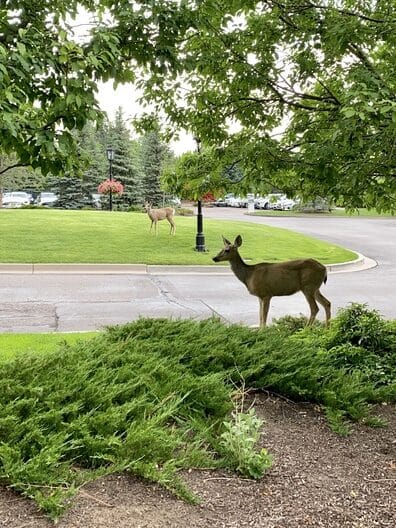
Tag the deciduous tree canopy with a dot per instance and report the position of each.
(48, 74)
(306, 88)
(299, 93)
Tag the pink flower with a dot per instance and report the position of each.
(114, 186)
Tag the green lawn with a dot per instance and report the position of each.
(335, 212)
(14, 344)
(59, 236)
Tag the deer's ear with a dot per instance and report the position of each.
(238, 241)
(226, 242)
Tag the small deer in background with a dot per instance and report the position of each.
(156, 215)
(267, 280)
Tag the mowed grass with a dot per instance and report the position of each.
(13, 344)
(58, 236)
(339, 211)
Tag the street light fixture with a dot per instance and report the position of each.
(200, 237)
(110, 157)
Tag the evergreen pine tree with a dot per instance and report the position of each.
(123, 168)
(90, 140)
(72, 192)
(154, 154)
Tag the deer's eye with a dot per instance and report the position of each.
(227, 250)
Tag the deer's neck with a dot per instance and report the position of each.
(240, 268)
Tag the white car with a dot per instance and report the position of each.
(229, 200)
(96, 200)
(234, 201)
(46, 199)
(175, 201)
(242, 202)
(284, 204)
(262, 202)
(287, 204)
(16, 199)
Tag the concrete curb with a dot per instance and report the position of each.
(359, 264)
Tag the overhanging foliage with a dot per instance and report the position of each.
(310, 87)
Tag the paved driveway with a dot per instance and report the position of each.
(86, 300)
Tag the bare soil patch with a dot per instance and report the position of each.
(318, 479)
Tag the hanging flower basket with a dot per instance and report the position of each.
(113, 186)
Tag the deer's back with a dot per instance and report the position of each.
(285, 278)
(161, 214)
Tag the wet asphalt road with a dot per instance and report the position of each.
(41, 302)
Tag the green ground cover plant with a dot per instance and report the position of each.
(156, 396)
(59, 236)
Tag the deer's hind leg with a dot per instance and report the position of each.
(326, 305)
(172, 227)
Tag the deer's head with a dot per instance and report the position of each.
(229, 250)
(147, 206)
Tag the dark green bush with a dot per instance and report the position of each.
(184, 211)
(136, 209)
(290, 325)
(362, 327)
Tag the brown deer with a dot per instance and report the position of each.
(267, 280)
(156, 215)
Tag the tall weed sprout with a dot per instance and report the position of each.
(238, 444)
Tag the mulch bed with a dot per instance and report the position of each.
(318, 479)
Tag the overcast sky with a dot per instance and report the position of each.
(126, 97)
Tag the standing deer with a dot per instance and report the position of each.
(267, 280)
(156, 215)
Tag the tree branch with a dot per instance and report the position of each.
(14, 166)
(359, 54)
(310, 5)
(348, 13)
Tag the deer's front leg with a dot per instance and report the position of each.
(264, 307)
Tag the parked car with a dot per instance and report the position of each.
(287, 204)
(175, 201)
(96, 200)
(46, 199)
(16, 199)
(229, 199)
(234, 201)
(242, 202)
(283, 203)
(262, 202)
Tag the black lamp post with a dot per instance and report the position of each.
(200, 237)
(110, 157)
